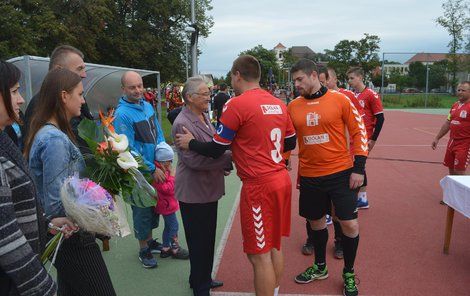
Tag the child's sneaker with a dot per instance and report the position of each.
(350, 287)
(312, 273)
(146, 257)
(155, 247)
(176, 253)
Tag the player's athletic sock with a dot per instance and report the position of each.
(362, 196)
(349, 251)
(338, 230)
(320, 238)
(309, 232)
(276, 291)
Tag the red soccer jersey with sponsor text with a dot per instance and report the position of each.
(320, 125)
(459, 118)
(372, 105)
(255, 124)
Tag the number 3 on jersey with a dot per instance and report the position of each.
(276, 136)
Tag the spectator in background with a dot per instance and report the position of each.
(137, 120)
(150, 97)
(219, 101)
(71, 58)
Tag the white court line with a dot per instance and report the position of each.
(224, 238)
(394, 145)
(429, 133)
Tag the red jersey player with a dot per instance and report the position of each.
(258, 128)
(373, 118)
(458, 122)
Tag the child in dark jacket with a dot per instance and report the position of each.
(167, 204)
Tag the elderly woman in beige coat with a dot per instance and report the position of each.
(199, 184)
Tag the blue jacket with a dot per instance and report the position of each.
(53, 158)
(139, 123)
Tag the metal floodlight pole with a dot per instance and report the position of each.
(194, 45)
(186, 57)
(383, 76)
(427, 85)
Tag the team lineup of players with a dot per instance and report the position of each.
(335, 131)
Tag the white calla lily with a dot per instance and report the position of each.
(119, 142)
(126, 161)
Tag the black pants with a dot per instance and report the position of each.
(200, 222)
(81, 270)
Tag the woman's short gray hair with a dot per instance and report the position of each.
(191, 85)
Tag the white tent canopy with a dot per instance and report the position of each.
(102, 85)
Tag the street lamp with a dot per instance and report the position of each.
(189, 30)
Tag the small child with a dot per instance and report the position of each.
(167, 204)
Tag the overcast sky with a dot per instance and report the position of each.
(402, 25)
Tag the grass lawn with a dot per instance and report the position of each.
(399, 101)
(166, 127)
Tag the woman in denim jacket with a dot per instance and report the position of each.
(53, 156)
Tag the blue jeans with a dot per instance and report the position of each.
(170, 232)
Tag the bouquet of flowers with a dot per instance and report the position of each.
(113, 165)
(88, 205)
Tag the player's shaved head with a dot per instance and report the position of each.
(248, 67)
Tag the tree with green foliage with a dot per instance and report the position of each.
(347, 53)
(267, 60)
(438, 74)
(138, 34)
(400, 80)
(417, 74)
(456, 20)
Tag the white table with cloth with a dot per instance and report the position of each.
(456, 190)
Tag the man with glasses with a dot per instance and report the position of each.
(136, 118)
(373, 119)
(458, 122)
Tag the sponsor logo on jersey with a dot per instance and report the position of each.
(456, 122)
(361, 102)
(271, 109)
(313, 119)
(463, 114)
(316, 139)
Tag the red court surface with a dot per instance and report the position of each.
(401, 237)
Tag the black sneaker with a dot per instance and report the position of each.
(155, 247)
(307, 249)
(350, 287)
(178, 253)
(312, 273)
(338, 249)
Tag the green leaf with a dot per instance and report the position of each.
(89, 131)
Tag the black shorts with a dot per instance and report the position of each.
(317, 194)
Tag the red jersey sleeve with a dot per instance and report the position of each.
(356, 128)
(375, 103)
(230, 121)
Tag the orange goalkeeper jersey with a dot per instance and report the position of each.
(320, 126)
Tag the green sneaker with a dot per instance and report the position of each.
(350, 287)
(312, 273)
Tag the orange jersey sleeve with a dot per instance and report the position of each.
(356, 128)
